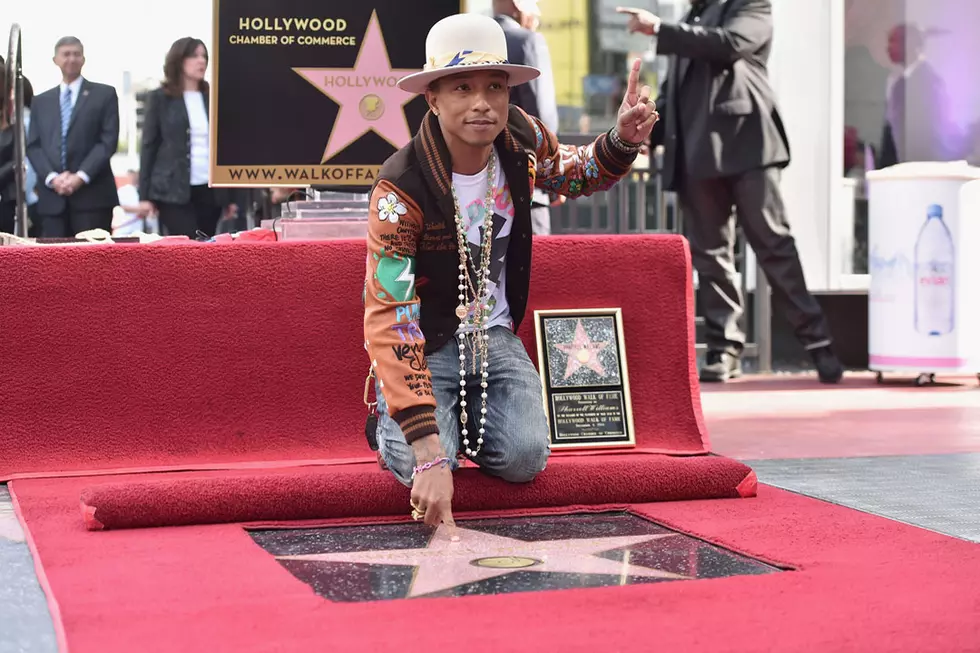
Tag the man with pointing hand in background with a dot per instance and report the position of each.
(724, 147)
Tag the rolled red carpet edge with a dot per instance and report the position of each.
(367, 491)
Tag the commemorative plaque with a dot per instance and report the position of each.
(585, 379)
(305, 93)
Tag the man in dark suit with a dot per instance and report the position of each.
(918, 125)
(73, 134)
(526, 47)
(725, 147)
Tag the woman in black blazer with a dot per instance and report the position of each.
(176, 150)
(8, 171)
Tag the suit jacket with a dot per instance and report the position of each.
(527, 48)
(719, 115)
(165, 157)
(8, 185)
(918, 125)
(93, 137)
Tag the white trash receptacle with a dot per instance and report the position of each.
(924, 263)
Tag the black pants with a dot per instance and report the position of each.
(200, 214)
(34, 231)
(74, 221)
(8, 211)
(8, 215)
(710, 226)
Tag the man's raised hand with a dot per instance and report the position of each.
(637, 114)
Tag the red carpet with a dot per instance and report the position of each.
(141, 358)
(863, 584)
(248, 360)
(367, 491)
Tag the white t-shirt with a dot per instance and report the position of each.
(472, 193)
(197, 115)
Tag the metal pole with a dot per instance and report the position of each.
(250, 209)
(641, 202)
(623, 205)
(763, 320)
(593, 215)
(657, 161)
(15, 88)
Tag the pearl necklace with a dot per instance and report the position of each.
(476, 304)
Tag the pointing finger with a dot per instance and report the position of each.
(634, 79)
(628, 10)
(451, 526)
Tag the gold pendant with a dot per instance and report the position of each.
(461, 311)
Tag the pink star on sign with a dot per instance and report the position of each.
(477, 556)
(582, 352)
(368, 97)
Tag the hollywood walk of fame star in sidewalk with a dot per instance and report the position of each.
(371, 82)
(445, 564)
(582, 352)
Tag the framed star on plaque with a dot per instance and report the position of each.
(584, 377)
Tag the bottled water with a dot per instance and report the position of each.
(934, 270)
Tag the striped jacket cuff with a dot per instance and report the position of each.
(613, 159)
(417, 422)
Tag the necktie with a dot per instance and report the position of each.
(65, 119)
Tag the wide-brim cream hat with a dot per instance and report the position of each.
(462, 43)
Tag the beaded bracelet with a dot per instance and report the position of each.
(429, 465)
(623, 145)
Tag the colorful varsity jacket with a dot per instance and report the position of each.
(410, 293)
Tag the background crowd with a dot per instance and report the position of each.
(721, 137)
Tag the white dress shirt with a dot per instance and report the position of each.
(76, 88)
(197, 115)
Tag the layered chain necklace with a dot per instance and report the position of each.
(474, 301)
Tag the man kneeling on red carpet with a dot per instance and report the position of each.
(448, 264)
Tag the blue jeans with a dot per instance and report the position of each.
(516, 445)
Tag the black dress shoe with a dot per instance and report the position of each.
(829, 368)
(719, 366)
